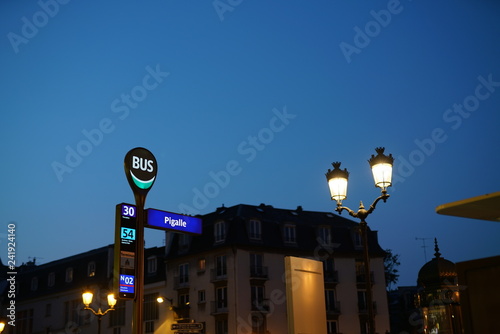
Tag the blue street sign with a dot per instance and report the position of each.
(127, 283)
(164, 220)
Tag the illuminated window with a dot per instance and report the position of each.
(202, 265)
(91, 269)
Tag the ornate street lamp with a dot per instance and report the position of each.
(87, 300)
(337, 178)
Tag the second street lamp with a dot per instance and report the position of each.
(337, 178)
(87, 300)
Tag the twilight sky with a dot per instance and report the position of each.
(248, 102)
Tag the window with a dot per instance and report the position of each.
(152, 264)
(256, 268)
(183, 299)
(221, 326)
(34, 284)
(328, 266)
(221, 298)
(324, 235)
(48, 310)
(331, 303)
(290, 234)
(202, 265)
(117, 317)
(24, 322)
(362, 303)
(220, 266)
(151, 307)
(331, 326)
(220, 231)
(51, 280)
(149, 326)
(258, 324)
(255, 230)
(358, 241)
(72, 312)
(184, 273)
(183, 241)
(257, 297)
(201, 296)
(69, 275)
(91, 269)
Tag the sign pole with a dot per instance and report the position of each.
(140, 169)
(139, 296)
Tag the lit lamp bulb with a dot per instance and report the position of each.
(87, 298)
(111, 300)
(337, 182)
(382, 169)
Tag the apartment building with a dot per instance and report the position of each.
(231, 279)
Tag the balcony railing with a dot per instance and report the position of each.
(332, 276)
(333, 308)
(363, 308)
(361, 277)
(261, 305)
(218, 307)
(181, 282)
(217, 275)
(259, 272)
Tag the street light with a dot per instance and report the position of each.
(87, 300)
(2, 326)
(337, 178)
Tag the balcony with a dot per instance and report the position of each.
(331, 276)
(258, 272)
(363, 308)
(333, 308)
(361, 277)
(217, 275)
(218, 307)
(181, 282)
(260, 305)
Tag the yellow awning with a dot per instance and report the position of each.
(485, 207)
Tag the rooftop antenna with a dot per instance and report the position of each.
(424, 246)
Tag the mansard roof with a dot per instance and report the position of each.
(273, 220)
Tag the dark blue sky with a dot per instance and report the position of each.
(248, 102)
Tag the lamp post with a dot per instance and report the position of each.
(381, 166)
(87, 300)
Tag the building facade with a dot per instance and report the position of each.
(231, 279)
